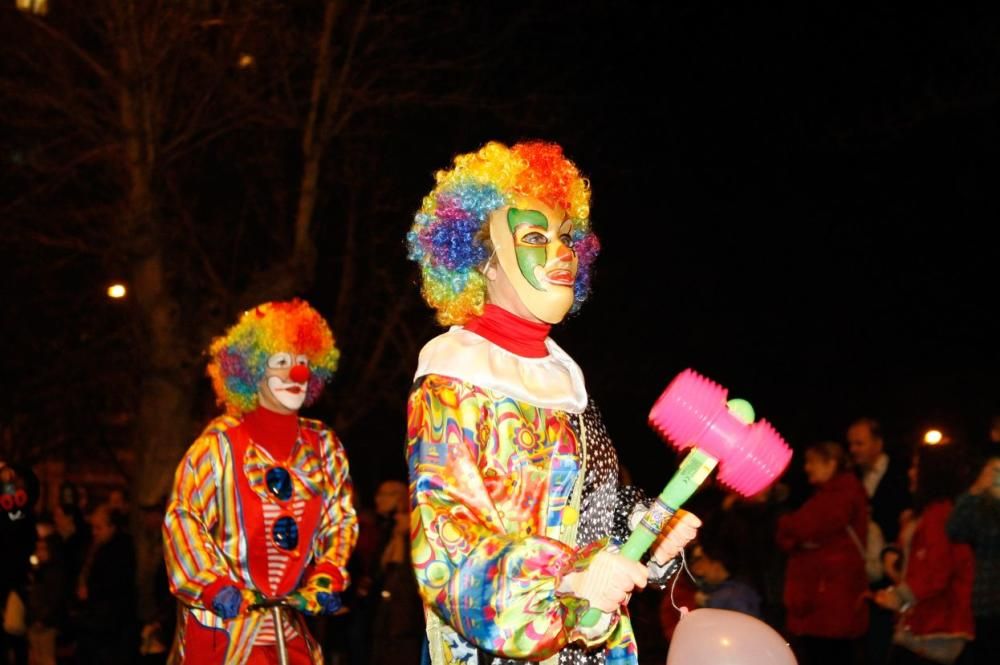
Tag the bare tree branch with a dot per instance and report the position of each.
(63, 39)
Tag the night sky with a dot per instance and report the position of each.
(794, 202)
(797, 201)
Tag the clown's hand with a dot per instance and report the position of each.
(607, 581)
(320, 595)
(320, 602)
(230, 601)
(680, 530)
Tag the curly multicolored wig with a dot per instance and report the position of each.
(449, 236)
(239, 358)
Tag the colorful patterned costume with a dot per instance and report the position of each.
(262, 501)
(217, 533)
(513, 481)
(497, 445)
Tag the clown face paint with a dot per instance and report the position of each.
(13, 495)
(534, 247)
(285, 384)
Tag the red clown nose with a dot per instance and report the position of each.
(299, 374)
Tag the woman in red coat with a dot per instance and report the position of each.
(933, 595)
(825, 580)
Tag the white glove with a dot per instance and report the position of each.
(680, 530)
(608, 580)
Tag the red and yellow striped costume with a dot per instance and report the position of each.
(217, 533)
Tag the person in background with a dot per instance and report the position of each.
(933, 598)
(398, 621)
(160, 622)
(886, 485)
(883, 477)
(825, 582)
(18, 534)
(975, 520)
(74, 532)
(763, 566)
(108, 631)
(118, 501)
(47, 600)
(715, 560)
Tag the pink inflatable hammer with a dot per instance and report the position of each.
(693, 413)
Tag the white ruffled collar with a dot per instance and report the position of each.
(552, 382)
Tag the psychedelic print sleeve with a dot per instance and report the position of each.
(495, 586)
(195, 563)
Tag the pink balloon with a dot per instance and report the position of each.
(722, 637)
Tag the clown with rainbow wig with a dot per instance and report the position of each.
(514, 483)
(262, 501)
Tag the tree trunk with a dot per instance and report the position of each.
(163, 424)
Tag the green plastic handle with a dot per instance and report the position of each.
(692, 472)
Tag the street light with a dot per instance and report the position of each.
(39, 7)
(933, 437)
(117, 291)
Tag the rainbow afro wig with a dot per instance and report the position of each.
(239, 358)
(450, 235)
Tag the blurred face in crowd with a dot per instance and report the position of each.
(116, 499)
(101, 526)
(42, 551)
(390, 498)
(706, 568)
(819, 469)
(63, 521)
(911, 473)
(865, 447)
(989, 477)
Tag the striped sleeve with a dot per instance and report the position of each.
(195, 564)
(338, 527)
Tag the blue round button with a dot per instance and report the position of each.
(285, 533)
(279, 482)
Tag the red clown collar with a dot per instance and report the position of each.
(511, 332)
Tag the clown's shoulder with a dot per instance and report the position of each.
(219, 425)
(323, 431)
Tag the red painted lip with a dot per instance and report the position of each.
(560, 276)
(295, 390)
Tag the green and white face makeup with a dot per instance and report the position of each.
(533, 244)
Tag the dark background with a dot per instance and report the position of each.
(795, 199)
